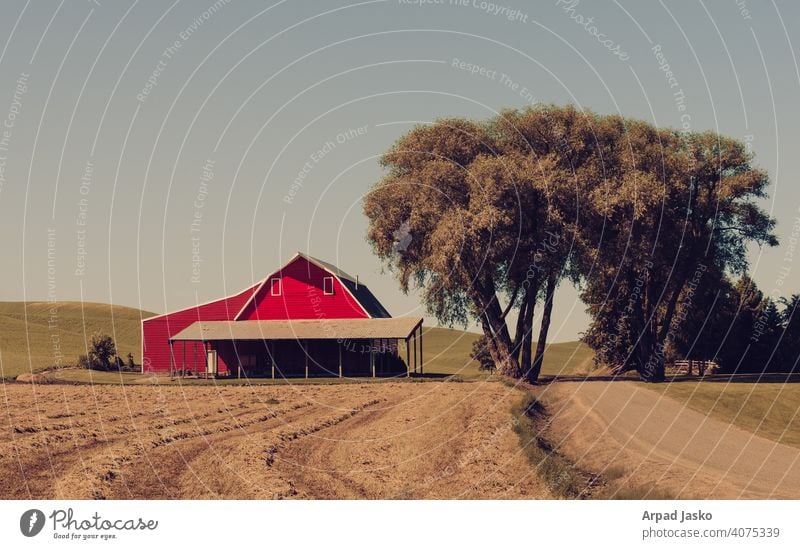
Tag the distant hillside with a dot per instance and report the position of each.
(31, 333)
(447, 351)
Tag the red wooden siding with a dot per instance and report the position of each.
(157, 331)
(302, 296)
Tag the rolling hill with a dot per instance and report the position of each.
(33, 333)
(447, 351)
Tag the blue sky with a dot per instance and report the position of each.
(158, 154)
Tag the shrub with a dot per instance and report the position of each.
(89, 363)
(480, 353)
(103, 350)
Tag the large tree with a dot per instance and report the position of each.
(679, 205)
(558, 145)
(488, 218)
(490, 211)
(459, 242)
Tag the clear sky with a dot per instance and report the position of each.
(157, 154)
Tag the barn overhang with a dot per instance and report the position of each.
(336, 339)
(306, 329)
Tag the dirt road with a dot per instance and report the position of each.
(398, 440)
(655, 442)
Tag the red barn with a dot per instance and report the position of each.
(306, 319)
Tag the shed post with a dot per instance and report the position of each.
(271, 346)
(372, 360)
(381, 358)
(340, 358)
(414, 343)
(421, 364)
(171, 360)
(305, 352)
(408, 358)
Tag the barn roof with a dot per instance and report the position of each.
(360, 292)
(344, 328)
(330, 267)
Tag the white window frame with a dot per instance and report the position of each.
(276, 283)
(325, 285)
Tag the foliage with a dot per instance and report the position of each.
(480, 206)
(493, 215)
(741, 329)
(678, 212)
(480, 353)
(102, 351)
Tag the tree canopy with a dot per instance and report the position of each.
(495, 214)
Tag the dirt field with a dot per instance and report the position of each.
(661, 448)
(403, 440)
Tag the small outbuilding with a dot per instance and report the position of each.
(307, 319)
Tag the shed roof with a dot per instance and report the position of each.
(345, 328)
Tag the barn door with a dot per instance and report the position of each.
(211, 362)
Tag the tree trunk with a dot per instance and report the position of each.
(516, 347)
(527, 328)
(487, 331)
(652, 355)
(550, 291)
(647, 353)
(486, 301)
(651, 359)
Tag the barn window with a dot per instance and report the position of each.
(327, 284)
(276, 287)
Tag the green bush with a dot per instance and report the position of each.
(480, 353)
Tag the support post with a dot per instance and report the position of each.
(171, 361)
(272, 357)
(305, 352)
(372, 359)
(381, 358)
(421, 362)
(408, 358)
(340, 358)
(414, 343)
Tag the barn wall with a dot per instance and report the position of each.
(302, 297)
(157, 331)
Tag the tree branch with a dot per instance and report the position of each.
(510, 303)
